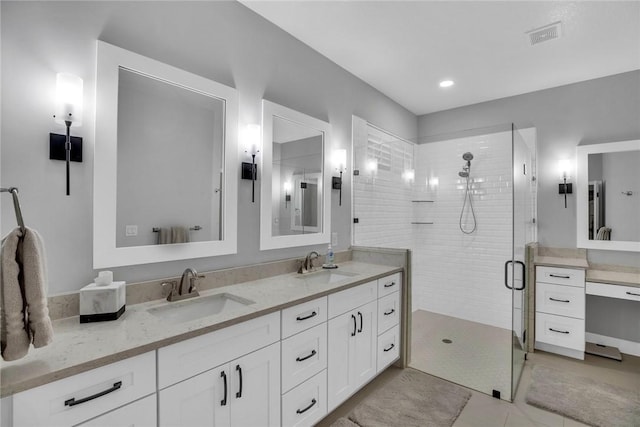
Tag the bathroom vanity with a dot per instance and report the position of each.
(302, 346)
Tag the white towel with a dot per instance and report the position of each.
(25, 313)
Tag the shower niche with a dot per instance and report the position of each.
(423, 211)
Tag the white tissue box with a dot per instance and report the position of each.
(100, 303)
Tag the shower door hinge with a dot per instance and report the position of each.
(356, 172)
(356, 220)
(533, 220)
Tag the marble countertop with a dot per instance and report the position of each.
(80, 347)
(613, 277)
(556, 261)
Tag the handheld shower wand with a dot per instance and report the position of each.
(465, 173)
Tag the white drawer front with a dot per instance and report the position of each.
(561, 331)
(389, 284)
(614, 291)
(346, 300)
(303, 356)
(193, 356)
(560, 300)
(306, 404)
(388, 347)
(130, 379)
(560, 276)
(303, 316)
(388, 311)
(142, 413)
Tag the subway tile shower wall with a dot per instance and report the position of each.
(453, 273)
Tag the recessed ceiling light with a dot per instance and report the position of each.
(447, 83)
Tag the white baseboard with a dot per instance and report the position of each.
(626, 347)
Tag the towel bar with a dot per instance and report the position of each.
(194, 228)
(16, 205)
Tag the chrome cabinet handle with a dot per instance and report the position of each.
(74, 402)
(558, 331)
(313, 314)
(302, 411)
(302, 359)
(559, 300)
(559, 276)
(387, 313)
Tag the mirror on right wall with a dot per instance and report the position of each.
(295, 187)
(608, 196)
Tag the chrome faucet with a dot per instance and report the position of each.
(178, 293)
(306, 265)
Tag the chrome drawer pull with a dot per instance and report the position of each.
(386, 313)
(559, 300)
(388, 285)
(390, 348)
(302, 411)
(300, 319)
(559, 276)
(631, 293)
(560, 332)
(74, 402)
(302, 359)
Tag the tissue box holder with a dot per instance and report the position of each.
(101, 303)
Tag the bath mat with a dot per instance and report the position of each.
(412, 399)
(583, 399)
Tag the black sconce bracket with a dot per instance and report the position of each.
(336, 184)
(57, 149)
(246, 171)
(565, 188)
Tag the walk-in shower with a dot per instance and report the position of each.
(466, 174)
(468, 327)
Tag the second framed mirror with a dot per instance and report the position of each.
(295, 198)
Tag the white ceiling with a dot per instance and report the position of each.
(404, 48)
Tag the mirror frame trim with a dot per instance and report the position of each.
(105, 252)
(267, 240)
(582, 199)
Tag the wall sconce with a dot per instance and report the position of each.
(287, 194)
(68, 111)
(250, 140)
(565, 172)
(340, 163)
(372, 166)
(409, 175)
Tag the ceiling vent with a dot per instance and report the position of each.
(546, 33)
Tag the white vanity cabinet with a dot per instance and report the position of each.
(560, 311)
(352, 336)
(74, 400)
(224, 378)
(388, 321)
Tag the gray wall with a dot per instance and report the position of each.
(223, 41)
(600, 110)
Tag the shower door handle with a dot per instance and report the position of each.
(524, 275)
(506, 274)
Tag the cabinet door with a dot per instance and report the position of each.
(198, 401)
(366, 344)
(342, 331)
(141, 413)
(255, 388)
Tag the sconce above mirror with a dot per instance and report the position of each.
(608, 196)
(165, 184)
(295, 186)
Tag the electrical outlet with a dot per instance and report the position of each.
(334, 238)
(131, 230)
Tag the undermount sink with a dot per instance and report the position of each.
(325, 277)
(196, 308)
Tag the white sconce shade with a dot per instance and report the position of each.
(409, 175)
(564, 168)
(340, 159)
(250, 138)
(68, 99)
(432, 182)
(287, 187)
(372, 166)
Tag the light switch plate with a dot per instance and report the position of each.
(131, 230)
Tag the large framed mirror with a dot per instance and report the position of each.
(295, 197)
(165, 165)
(608, 196)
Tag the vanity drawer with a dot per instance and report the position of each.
(303, 316)
(560, 331)
(303, 356)
(142, 413)
(306, 404)
(51, 404)
(560, 300)
(185, 359)
(388, 347)
(388, 311)
(351, 298)
(614, 291)
(389, 284)
(560, 276)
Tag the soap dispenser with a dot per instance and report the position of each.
(329, 258)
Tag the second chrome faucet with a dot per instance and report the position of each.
(187, 287)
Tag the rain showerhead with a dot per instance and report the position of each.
(467, 156)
